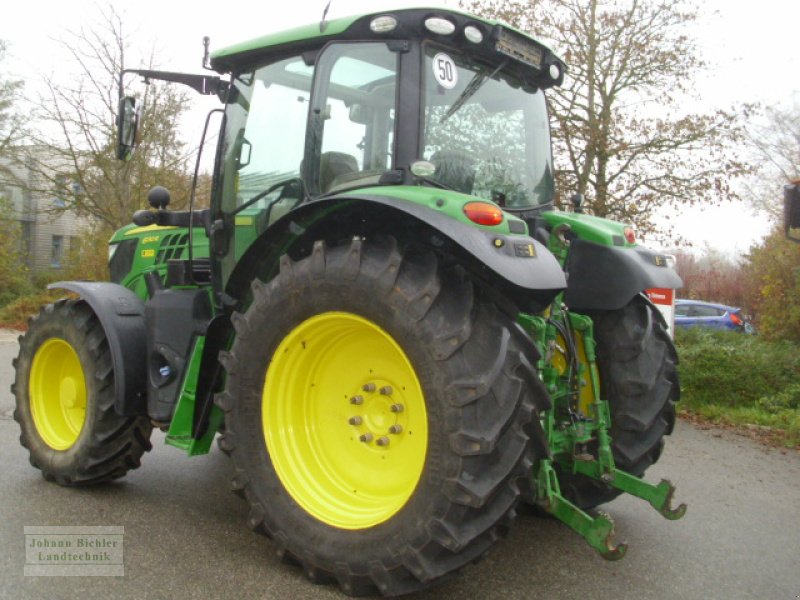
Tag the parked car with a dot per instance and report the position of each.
(696, 313)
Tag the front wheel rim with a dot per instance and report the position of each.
(57, 390)
(344, 420)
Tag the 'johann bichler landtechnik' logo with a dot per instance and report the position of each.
(74, 550)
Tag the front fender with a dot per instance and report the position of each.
(607, 277)
(121, 313)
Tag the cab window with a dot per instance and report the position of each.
(351, 124)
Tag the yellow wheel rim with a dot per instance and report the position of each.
(57, 390)
(344, 420)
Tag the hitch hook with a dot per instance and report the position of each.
(665, 507)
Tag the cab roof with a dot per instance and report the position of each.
(317, 34)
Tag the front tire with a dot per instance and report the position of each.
(64, 389)
(638, 362)
(378, 417)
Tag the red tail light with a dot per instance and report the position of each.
(630, 235)
(483, 213)
(736, 319)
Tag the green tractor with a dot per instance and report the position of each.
(397, 338)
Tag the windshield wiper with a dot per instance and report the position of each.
(473, 86)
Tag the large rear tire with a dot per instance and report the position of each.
(64, 389)
(378, 416)
(637, 361)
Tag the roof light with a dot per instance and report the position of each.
(630, 235)
(383, 24)
(439, 25)
(483, 213)
(473, 34)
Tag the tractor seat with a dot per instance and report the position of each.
(455, 169)
(333, 165)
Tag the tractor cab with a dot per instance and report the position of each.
(381, 102)
(332, 119)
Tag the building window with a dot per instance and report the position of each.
(57, 251)
(25, 241)
(61, 191)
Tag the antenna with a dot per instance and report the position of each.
(322, 23)
(206, 59)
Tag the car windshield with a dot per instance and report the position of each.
(486, 134)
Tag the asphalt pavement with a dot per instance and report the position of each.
(185, 533)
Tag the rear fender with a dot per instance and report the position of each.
(516, 265)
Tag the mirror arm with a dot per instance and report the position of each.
(203, 84)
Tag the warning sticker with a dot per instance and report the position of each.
(444, 71)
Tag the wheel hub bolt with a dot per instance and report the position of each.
(396, 429)
(386, 390)
(368, 387)
(355, 420)
(366, 437)
(396, 408)
(383, 441)
(357, 400)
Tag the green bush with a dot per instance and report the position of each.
(14, 280)
(732, 369)
(786, 399)
(741, 379)
(772, 273)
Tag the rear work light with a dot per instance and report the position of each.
(483, 213)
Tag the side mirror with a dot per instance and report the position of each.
(791, 211)
(359, 114)
(127, 123)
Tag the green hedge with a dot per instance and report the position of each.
(741, 379)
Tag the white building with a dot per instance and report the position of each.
(48, 232)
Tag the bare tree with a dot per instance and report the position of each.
(77, 154)
(771, 272)
(11, 122)
(13, 272)
(774, 137)
(621, 136)
(712, 276)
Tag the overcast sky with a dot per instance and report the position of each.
(752, 49)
